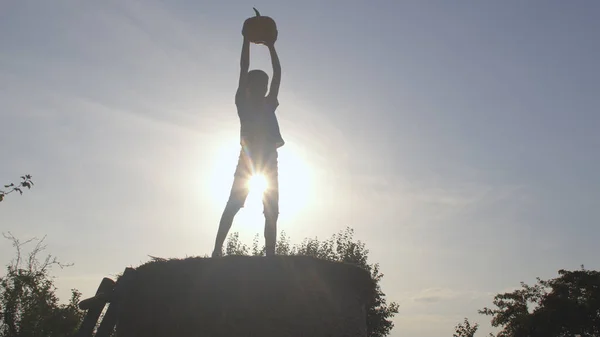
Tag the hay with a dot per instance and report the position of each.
(246, 296)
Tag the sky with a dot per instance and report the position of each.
(458, 139)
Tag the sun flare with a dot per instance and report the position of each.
(257, 184)
(296, 183)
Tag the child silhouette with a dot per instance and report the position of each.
(259, 139)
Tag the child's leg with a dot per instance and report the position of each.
(271, 203)
(224, 227)
(237, 198)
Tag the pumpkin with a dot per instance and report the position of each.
(260, 29)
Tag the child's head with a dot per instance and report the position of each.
(257, 83)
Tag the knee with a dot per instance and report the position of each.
(271, 215)
(271, 206)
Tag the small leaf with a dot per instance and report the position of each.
(7, 186)
(1, 197)
(23, 177)
(28, 176)
(18, 190)
(31, 182)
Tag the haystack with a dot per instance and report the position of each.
(277, 296)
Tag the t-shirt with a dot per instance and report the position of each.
(258, 123)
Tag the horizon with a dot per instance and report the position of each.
(459, 141)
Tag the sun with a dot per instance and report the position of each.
(257, 184)
(296, 179)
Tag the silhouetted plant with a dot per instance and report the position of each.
(568, 305)
(465, 329)
(29, 306)
(12, 187)
(341, 247)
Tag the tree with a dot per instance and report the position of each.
(29, 306)
(340, 247)
(10, 188)
(465, 329)
(568, 305)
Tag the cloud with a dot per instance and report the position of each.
(435, 295)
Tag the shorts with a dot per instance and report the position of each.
(256, 161)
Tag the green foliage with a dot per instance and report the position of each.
(568, 305)
(341, 247)
(10, 188)
(29, 306)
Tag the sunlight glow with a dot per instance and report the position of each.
(296, 184)
(257, 184)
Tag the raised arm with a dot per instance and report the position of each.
(244, 65)
(276, 80)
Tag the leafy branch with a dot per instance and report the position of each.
(26, 182)
(29, 305)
